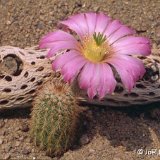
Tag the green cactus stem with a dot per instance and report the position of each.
(54, 118)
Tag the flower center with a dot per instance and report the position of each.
(95, 48)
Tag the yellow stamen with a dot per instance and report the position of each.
(94, 52)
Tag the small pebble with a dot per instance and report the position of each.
(28, 140)
(3, 133)
(26, 151)
(116, 158)
(17, 128)
(40, 25)
(17, 143)
(7, 156)
(91, 151)
(1, 140)
(25, 127)
(8, 22)
(8, 147)
(84, 140)
(96, 8)
(6, 120)
(21, 138)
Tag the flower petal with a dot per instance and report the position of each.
(107, 81)
(134, 66)
(121, 32)
(95, 81)
(130, 69)
(91, 92)
(57, 41)
(133, 45)
(77, 23)
(72, 68)
(131, 40)
(86, 75)
(62, 59)
(54, 37)
(134, 49)
(101, 80)
(102, 22)
(59, 46)
(91, 21)
(112, 27)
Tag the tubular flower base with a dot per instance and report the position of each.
(101, 46)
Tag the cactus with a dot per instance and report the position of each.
(54, 118)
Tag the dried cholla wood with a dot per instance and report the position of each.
(23, 71)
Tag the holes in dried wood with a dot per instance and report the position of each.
(3, 102)
(20, 98)
(151, 74)
(13, 64)
(119, 89)
(47, 75)
(126, 95)
(7, 90)
(31, 52)
(26, 74)
(40, 68)
(57, 74)
(132, 94)
(8, 78)
(33, 79)
(39, 82)
(41, 57)
(31, 92)
(140, 86)
(151, 93)
(2, 76)
(33, 63)
(24, 86)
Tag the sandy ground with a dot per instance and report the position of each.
(108, 133)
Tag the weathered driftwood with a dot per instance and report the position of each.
(23, 71)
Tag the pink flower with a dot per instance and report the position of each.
(100, 45)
